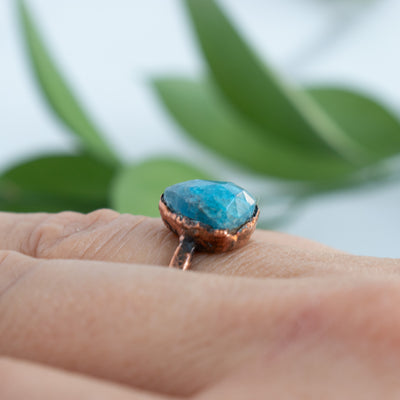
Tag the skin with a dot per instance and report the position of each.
(88, 310)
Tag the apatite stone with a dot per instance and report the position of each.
(221, 205)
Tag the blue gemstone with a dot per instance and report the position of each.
(221, 205)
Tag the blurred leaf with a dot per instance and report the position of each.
(56, 183)
(366, 121)
(203, 113)
(58, 95)
(258, 93)
(137, 188)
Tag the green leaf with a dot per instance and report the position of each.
(204, 114)
(366, 121)
(58, 95)
(137, 188)
(256, 91)
(56, 183)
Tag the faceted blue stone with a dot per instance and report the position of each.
(221, 205)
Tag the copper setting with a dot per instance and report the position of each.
(196, 236)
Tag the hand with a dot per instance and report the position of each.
(87, 311)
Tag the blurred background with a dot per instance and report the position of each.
(110, 53)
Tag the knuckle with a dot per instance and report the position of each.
(47, 237)
(43, 236)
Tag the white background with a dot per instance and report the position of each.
(110, 51)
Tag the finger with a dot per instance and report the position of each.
(162, 330)
(21, 380)
(108, 236)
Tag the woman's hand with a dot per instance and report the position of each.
(87, 311)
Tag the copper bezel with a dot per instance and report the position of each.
(204, 236)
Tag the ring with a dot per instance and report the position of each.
(207, 216)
